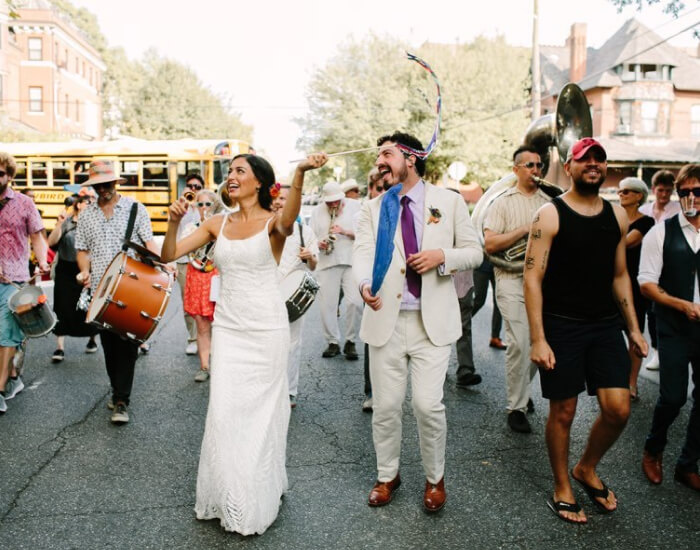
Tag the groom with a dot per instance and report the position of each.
(413, 315)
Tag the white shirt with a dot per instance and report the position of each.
(672, 208)
(652, 259)
(290, 254)
(321, 223)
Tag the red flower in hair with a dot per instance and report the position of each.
(275, 190)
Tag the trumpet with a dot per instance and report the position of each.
(189, 195)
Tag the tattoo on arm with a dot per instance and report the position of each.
(537, 218)
(544, 259)
(623, 303)
(536, 233)
(529, 262)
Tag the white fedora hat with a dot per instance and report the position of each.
(332, 192)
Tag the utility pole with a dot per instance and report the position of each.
(536, 94)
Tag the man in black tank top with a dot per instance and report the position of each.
(576, 286)
(669, 274)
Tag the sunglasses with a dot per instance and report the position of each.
(531, 165)
(194, 186)
(2, 173)
(626, 191)
(682, 193)
(201, 204)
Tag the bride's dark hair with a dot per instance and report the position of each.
(264, 173)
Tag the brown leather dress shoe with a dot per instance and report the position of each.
(689, 479)
(497, 343)
(651, 465)
(434, 497)
(383, 491)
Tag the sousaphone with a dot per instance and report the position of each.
(570, 122)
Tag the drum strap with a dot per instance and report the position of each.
(130, 226)
(301, 232)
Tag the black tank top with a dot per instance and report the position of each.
(579, 277)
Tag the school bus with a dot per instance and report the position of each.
(154, 170)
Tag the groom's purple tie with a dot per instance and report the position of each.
(410, 245)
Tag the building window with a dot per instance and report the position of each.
(695, 121)
(650, 72)
(650, 117)
(34, 46)
(36, 99)
(12, 35)
(624, 117)
(627, 73)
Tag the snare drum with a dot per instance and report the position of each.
(32, 311)
(299, 289)
(131, 298)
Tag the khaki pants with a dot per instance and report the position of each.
(409, 352)
(190, 323)
(519, 369)
(332, 279)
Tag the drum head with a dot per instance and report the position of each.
(142, 251)
(105, 290)
(291, 283)
(27, 295)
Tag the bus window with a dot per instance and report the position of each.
(80, 172)
(220, 171)
(61, 173)
(155, 174)
(129, 170)
(20, 178)
(39, 173)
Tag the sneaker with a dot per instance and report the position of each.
(292, 401)
(331, 351)
(191, 348)
(350, 352)
(202, 375)
(91, 346)
(3, 404)
(110, 404)
(57, 356)
(367, 404)
(119, 414)
(13, 387)
(470, 379)
(518, 422)
(653, 361)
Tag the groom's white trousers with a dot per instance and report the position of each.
(409, 352)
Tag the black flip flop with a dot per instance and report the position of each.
(561, 506)
(594, 494)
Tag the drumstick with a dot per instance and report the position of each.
(344, 153)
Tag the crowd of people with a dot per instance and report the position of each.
(404, 272)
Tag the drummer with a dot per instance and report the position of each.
(100, 235)
(20, 223)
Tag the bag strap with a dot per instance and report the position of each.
(130, 226)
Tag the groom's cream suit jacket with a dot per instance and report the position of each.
(446, 225)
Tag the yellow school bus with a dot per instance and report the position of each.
(154, 170)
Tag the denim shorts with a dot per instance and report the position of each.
(11, 336)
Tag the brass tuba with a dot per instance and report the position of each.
(222, 194)
(561, 129)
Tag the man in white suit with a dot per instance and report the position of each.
(413, 318)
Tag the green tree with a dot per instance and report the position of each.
(369, 89)
(671, 6)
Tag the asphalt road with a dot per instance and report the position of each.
(72, 480)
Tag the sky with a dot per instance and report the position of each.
(260, 54)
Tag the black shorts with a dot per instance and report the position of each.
(588, 355)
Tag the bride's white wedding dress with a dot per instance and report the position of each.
(242, 472)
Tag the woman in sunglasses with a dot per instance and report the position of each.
(197, 299)
(633, 193)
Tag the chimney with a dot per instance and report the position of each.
(577, 52)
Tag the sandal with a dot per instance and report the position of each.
(202, 375)
(594, 494)
(561, 506)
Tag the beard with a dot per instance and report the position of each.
(588, 188)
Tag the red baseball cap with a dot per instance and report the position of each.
(581, 147)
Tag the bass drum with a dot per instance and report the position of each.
(131, 298)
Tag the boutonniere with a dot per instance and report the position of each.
(435, 215)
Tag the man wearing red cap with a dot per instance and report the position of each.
(576, 286)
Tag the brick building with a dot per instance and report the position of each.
(644, 96)
(50, 76)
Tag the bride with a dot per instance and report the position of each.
(242, 463)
